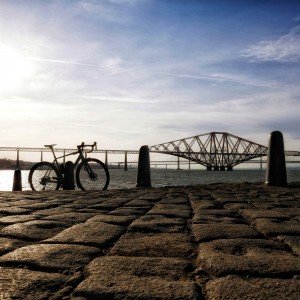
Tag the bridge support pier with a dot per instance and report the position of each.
(125, 162)
(106, 158)
(230, 168)
(209, 168)
(216, 168)
(222, 168)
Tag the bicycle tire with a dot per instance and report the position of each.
(99, 169)
(44, 176)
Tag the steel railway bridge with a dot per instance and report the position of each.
(214, 150)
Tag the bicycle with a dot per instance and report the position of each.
(91, 173)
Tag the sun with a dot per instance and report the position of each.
(14, 68)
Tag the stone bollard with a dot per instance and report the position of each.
(69, 183)
(17, 183)
(276, 168)
(144, 175)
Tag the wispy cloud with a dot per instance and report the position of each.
(284, 49)
(121, 99)
(225, 77)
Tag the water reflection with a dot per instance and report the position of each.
(160, 177)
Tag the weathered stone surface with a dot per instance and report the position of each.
(174, 200)
(50, 256)
(156, 245)
(171, 210)
(158, 223)
(17, 219)
(41, 205)
(274, 227)
(198, 203)
(253, 214)
(89, 233)
(9, 244)
(11, 210)
(116, 277)
(54, 211)
(217, 213)
(207, 232)
(164, 243)
(139, 203)
(209, 219)
(33, 230)
(113, 219)
(237, 288)
(28, 285)
(237, 206)
(129, 211)
(292, 241)
(71, 218)
(246, 256)
(104, 206)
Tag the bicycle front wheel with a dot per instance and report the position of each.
(92, 174)
(44, 176)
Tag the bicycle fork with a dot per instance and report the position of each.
(89, 170)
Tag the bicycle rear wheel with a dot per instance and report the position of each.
(44, 176)
(92, 174)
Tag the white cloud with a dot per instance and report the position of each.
(284, 49)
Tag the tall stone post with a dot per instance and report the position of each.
(144, 176)
(69, 183)
(276, 168)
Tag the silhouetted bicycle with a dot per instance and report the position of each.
(91, 173)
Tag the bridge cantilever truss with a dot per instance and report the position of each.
(217, 150)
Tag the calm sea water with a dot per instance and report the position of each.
(160, 177)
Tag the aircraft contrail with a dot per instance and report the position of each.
(62, 61)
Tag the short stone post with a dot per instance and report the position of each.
(17, 183)
(276, 168)
(69, 183)
(144, 175)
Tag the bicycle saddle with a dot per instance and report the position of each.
(49, 146)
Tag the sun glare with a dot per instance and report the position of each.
(14, 68)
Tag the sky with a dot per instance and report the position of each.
(127, 73)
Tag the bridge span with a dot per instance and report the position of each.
(214, 150)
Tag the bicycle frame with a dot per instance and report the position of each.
(79, 158)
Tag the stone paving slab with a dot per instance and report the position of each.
(158, 223)
(57, 257)
(27, 284)
(117, 277)
(218, 241)
(236, 288)
(154, 245)
(246, 256)
(207, 232)
(89, 233)
(34, 230)
(275, 227)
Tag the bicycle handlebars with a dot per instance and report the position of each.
(82, 145)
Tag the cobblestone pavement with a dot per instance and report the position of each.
(219, 241)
